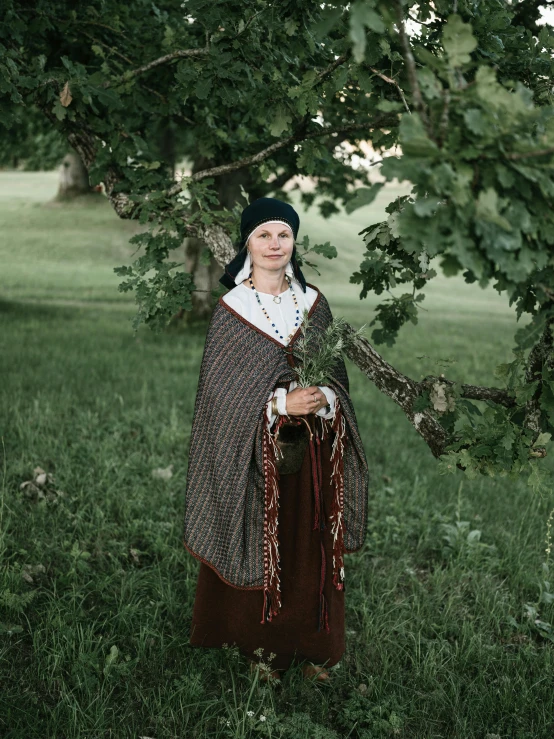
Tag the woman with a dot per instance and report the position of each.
(271, 544)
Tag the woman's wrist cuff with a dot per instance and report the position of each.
(282, 403)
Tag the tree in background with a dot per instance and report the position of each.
(31, 143)
(256, 92)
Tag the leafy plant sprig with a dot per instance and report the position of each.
(319, 356)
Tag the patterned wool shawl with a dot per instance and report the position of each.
(231, 496)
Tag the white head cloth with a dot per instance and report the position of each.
(243, 273)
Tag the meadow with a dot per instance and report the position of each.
(450, 615)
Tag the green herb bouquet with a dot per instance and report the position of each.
(318, 358)
(318, 355)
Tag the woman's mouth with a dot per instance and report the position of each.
(274, 256)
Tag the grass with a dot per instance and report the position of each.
(449, 631)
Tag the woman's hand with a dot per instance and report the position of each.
(304, 400)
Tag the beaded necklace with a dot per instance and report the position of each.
(278, 301)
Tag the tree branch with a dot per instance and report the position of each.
(110, 48)
(403, 391)
(272, 148)
(476, 392)
(421, 23)
(179, 54)
(539, 355)
(129, 61)
(248, 22)
(410, 65)
(392, 82)
(527, 154)
(331, 68)
(443, 127)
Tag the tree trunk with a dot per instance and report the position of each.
(206, 277)
(73, 178)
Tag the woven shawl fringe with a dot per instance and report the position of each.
(337, 507)
(315, 456)
(272, 587)
(319, 522)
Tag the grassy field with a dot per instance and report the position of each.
(449, 632)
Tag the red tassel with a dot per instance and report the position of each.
(272, 599)
(323, 610)
(323, 614)
(337, 506)
(320, 483)
(318, 449)
(316, 485)
(266, 609)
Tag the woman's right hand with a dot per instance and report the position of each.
(301, 401)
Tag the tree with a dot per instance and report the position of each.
(73, 177)
(261, 91)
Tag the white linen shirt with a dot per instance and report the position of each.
(284, 315)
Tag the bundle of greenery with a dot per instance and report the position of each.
(318, 356)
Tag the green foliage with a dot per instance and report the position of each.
(458, 41)
(275, 90)
(363, 15)
(370, 720)
(318, 354)
(495, 442)
(257, 73)
(363, 196)
(30, 142)
(482, 188)
(303, 248)
(478, 149)
(385, 266)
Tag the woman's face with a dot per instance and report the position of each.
(271, 246)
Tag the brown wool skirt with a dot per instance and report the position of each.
(224, 614)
